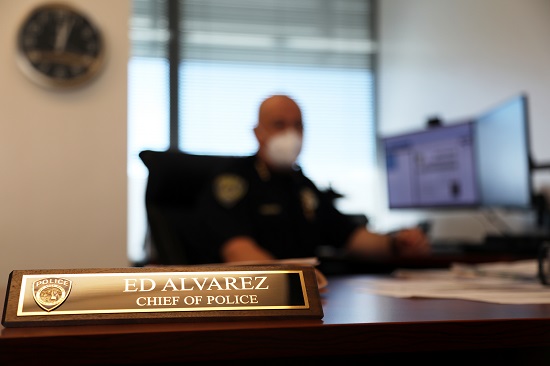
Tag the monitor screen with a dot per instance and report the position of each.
(502, 155)
(432, 168)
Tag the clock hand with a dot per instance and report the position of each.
(63, 31)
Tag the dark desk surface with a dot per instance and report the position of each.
(356, 324)
(346, 264)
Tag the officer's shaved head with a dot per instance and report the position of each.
(277, 114)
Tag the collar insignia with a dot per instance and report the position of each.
(263, 170)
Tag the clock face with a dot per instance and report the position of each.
(59, 47)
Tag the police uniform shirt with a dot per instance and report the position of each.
(283, 212)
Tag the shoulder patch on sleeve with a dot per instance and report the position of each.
(229, 189)
(310, 202)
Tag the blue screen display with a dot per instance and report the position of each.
(484, 162)
(432, 168)
(502, 155)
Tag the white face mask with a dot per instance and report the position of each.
(283, 149)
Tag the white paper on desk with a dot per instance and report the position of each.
(448, 284)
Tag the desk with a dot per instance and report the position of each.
(355, 264)
(357, 325)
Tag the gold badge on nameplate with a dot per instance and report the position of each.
(50, 293)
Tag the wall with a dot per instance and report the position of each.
(457, 58)
(63, 155)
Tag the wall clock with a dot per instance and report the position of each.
(59, 46)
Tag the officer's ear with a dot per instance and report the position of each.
(258, 132)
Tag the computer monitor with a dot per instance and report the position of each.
(503, 155)
(432, 168)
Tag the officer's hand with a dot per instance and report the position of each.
(411, 242)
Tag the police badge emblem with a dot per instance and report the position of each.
(229, 188)
(50, 293)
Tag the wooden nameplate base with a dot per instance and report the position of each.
(160, 294)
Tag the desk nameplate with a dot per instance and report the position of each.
(160, 294)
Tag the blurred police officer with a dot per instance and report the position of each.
(264, 208)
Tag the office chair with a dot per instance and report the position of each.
(173, 186)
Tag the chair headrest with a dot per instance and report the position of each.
(176, 178)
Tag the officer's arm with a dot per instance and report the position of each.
(403, 242)
(368, 243)
(244, 248)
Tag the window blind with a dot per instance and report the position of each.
(307, 32)
(235, 53)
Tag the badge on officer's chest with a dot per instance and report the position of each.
(309, 203)
(229, 189)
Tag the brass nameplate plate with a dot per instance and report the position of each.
(160, 294)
